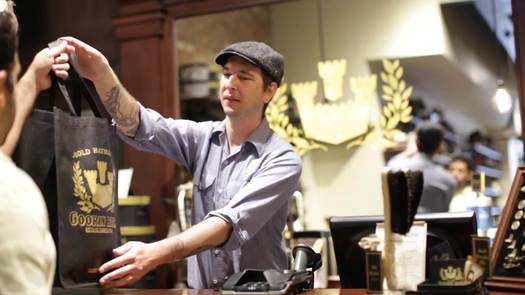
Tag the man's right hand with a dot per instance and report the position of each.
(123, 108)
(93, 63)
(133, 260)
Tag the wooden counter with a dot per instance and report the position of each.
(95, 291)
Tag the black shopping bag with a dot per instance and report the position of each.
(72, 158)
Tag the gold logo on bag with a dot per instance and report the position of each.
(102, 189)
(100, 184)
(94, 190)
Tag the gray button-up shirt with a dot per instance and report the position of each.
(248, 188)
(438, 184)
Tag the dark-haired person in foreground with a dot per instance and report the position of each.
(27, 251)
(438, 183)
(243, 173)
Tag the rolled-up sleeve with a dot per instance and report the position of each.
(174, 139)
(257, 201)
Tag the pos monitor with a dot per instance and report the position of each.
(448, 236)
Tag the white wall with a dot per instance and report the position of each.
(340, 181)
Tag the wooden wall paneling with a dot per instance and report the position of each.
(170, 89)
(180, 9)
(146, 55)
(141, 71)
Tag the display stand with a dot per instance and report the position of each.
(508, 252)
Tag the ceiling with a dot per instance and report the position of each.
(464, 78)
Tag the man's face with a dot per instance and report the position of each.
(460, 171)
(241, 89)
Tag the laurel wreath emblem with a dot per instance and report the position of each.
(396, 109)
(396, 96)
(280, 123)
(79, 190)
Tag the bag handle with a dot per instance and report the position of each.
(76, 79)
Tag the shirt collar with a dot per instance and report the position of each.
(260, 136)
(219, 128)
(257, 138)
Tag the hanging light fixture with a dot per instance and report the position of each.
(501, 97)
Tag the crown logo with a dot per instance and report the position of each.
(100, 183)
(450, 274)
(340, 120)
(332, 73)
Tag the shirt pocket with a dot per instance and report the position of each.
(205, 183)
(205, 191)
(232, 188)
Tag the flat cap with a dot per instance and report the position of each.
(263, 56)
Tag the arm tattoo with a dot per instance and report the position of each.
(198, 250)
(128, 122)
(178, 247)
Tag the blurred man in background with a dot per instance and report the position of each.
(438, 183)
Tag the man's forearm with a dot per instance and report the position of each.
(123, 108)
(207, 234)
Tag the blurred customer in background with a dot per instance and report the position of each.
(465, 198)
(438, 183)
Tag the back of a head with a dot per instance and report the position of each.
(429, 137)
(8, 40)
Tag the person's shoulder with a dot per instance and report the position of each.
(19, 195)
(198, 130)
(445, 175)
(403, 163)
(278, 143)
(9, 171)
(14, 179)
(208, 127)
(444, 172)
(278, 149)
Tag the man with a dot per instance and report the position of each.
(438, 183)
(27, 252)
(464, 197)
(243, 173)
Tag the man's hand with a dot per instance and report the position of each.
(133, 261)
(92, 62)
(37, 77)
(46, 60)
(34, 80)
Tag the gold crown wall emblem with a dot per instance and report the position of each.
(341, 120)
(100, 183)
(332, 73)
